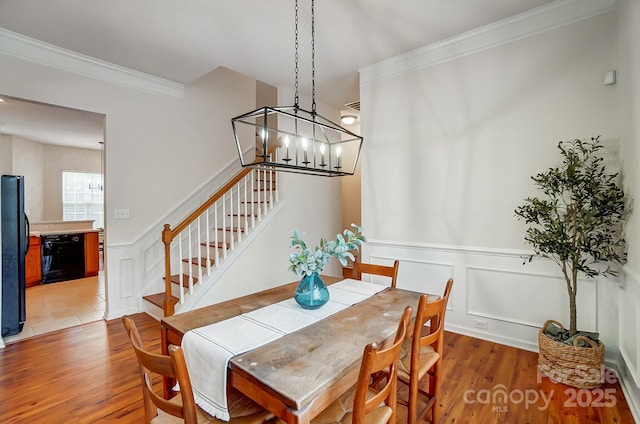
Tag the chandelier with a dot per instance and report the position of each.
(291, 139)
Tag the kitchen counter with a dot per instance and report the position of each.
(55, 232)
(49, 228)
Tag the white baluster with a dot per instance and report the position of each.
(246, 218)
(180, 273)
(198, 249)
(258, 191)
(190, 268)
(231, 235)
(224, 229)
(216, 239)
(253, 206)
(207, 241)
(238, 214)
(270, 189)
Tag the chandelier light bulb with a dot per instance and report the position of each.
(304, 149)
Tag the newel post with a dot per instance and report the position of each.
(169, 300)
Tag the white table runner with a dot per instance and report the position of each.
(208, 349)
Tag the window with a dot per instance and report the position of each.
(82, 197)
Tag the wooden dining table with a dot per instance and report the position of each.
(298, 375)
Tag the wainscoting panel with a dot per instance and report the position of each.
(630, 326)
(122, 281)
(515, 296)
(495, 296)
(126, 274)
(422, 276)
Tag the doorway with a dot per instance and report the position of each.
(42, 142)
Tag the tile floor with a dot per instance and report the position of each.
(65, 304)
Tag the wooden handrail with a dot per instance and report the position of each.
(206, 205)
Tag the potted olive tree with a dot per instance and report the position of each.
(577, 223)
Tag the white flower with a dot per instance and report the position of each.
(305, 261)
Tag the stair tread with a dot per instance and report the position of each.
(235, 229)
(201, 262)
(213, 244)
(175, 279)
(155, 299)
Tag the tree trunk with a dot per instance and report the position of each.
(571, 291)
(572, 314)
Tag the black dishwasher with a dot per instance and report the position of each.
(62, 257)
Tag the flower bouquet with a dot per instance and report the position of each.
(312, 292)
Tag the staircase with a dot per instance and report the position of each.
(196, 248)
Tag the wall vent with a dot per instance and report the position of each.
(353, 105)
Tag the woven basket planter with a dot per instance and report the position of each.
(576, 366)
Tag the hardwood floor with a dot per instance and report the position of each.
(89, 374)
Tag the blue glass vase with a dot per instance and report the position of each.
(312, 292)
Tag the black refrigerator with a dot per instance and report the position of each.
(15, 243)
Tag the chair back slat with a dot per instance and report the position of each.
(433, 311)
(360, 268)
(173, 366)
(375, 360)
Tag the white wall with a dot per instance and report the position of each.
(459, 141)
(6, 155)
(449, 154)
(351, 193)
(28, 160)
(628, 25)
(56, 160)
(450, 150)
(42, 166)
(159, 150)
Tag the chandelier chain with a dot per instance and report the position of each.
(333, 150)
(296, 100)
(313, 58)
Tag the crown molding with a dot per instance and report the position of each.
(544, 18)
(23, 47)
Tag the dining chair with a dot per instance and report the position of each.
(364, 403)
(422, 355)
(360, 268)
(182, 407)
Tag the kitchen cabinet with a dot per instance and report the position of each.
(33, 265)
(91, 254)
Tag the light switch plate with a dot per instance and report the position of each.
(122, 214)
